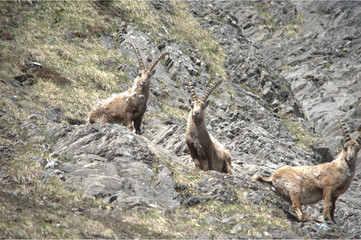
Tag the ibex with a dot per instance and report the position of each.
(129, 106)
(310, 184)
(206, 152)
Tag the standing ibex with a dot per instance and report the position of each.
(207, 152)
(129, 106)
(310, 184)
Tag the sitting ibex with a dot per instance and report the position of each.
(207, 152)
(129, 106)
(310, 184)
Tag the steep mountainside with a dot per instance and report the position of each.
(289, 69)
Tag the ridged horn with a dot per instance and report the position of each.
(154, 63)
(358, 140)
(211, 89)
(191, 89)
(140, 62)
(344, 130)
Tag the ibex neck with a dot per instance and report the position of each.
(144, 91)
(141, 90)
(198, 129)
(342, 161)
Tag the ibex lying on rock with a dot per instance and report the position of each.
(310, 184)
(207, 152)
(129, 106)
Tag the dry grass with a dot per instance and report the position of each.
(305, 138)
(64, 37)
(32, 208)
(292, 27)
(177, 25)
(210, 219)
(47, 38)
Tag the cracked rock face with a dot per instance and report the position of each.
(312, 76)
(107, 161)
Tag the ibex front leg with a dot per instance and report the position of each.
(137, 123)
(329, 205)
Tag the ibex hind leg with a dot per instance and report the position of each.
(227, 168)
(128, 121)
(197, 164)
(297, 209)
(91, 119)
(95, 116)
(104, 119)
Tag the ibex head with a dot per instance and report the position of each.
(144, 75)
(350, 147)
(198, 106)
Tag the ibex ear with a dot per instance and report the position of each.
(343, 143)
(152, 72)
(206, 103)
(190, 101)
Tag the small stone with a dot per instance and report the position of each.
(53, 163)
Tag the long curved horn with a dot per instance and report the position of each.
(154, 63)
(211, 89)
(140, 62)
(191, 89)
(344, 130)
(358, 140)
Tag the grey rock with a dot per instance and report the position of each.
(310, 75)
(111, 162)
(52, 164)
(40, 160)
(35, 116)
(240, 227)
(53, 173)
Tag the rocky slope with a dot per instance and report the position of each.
(290, 69)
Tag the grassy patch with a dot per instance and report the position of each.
(304, 138)
(169, 110)
(292, 27)
(286, 68)
(210, 219)
(65, 37)
(32, 208)
(179, 25)
(72, 72)
(77, 70)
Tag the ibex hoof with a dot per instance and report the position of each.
(294, 216)
(330, 222)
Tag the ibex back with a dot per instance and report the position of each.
(129, 106)
(206, 151)
(310, 184)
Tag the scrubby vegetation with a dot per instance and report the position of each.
(66, 39)
(70, 41)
